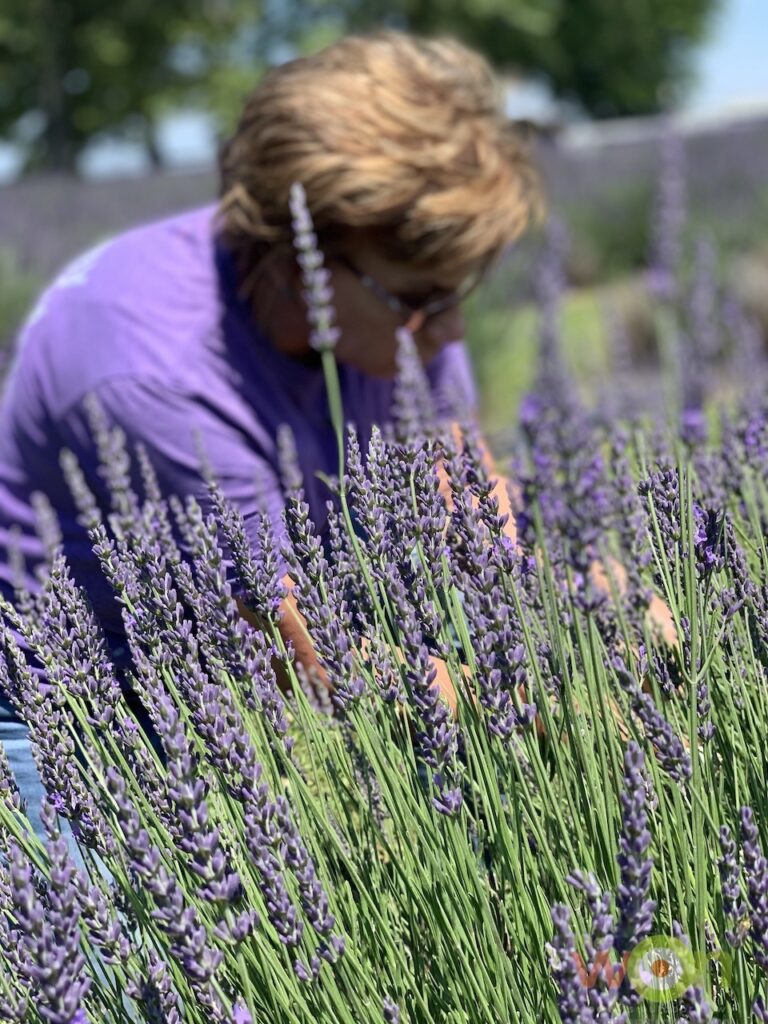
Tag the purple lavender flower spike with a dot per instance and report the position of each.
(14, 1006)
(384, 670)
(51, 934)
(114, 466)
(668, 747)
(305, 973)
(218, 623)
(565, 476)
(661, 491)
(698, 1010)
(703, 300)
(321, 600)
(342, 559)
(698, 342)
(390, 1010)
(154, 991)
(313, 897)
(47, 523)
(15, 996)
(436, 734)
(240, 1013)
(413, 410)
(598, 944)
(234, 928)
(133, 745)
(180, 921)
(16, 678)
(500, 652)
(53, 749)
(734, 905)
(102, 924)
(652, 663)
(400, 520)
(72, 647)
(549, 283)
(747, 359)
(288, 460)
(743, 590)
(156, 519)
(318, 293)
(9, 790)
(756, 875)
(89, 512)
(572, 1000)
(262, 838)
(377, 501)
(693, 422)
(191, 830)
(315, 691)
(629, 521)
(259, 579)
(156, 623)
(366, 511)
(265, 839)
(97, 913)
(234, 654)
(708, 540)
(669, 220)
(634, 908)
(432, 512)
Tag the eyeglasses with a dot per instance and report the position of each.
(415, 312)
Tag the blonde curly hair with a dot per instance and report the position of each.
(394, 136)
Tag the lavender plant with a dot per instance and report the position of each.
(596, 799)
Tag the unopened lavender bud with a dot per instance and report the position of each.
(318, 293)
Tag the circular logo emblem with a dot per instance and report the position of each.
(661, 968)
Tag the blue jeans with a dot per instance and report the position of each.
(14, 736)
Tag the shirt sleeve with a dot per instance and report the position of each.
(173, 426)
(452, 380)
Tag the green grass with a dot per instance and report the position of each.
(503, 344)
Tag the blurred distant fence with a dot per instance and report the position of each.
(46, 220)
(726, 160)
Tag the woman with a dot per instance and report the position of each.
(416, 183)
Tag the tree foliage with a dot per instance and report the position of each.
(608, 57)
(70, 69)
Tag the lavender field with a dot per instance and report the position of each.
(578, 834)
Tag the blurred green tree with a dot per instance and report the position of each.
(609, 57)
(70, 69)
(287, 28)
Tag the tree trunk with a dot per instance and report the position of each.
(59, 145)
(154, 152)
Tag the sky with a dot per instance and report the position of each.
(732, 69)
(731, 77)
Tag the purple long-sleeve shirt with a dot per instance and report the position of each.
(150, 322)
